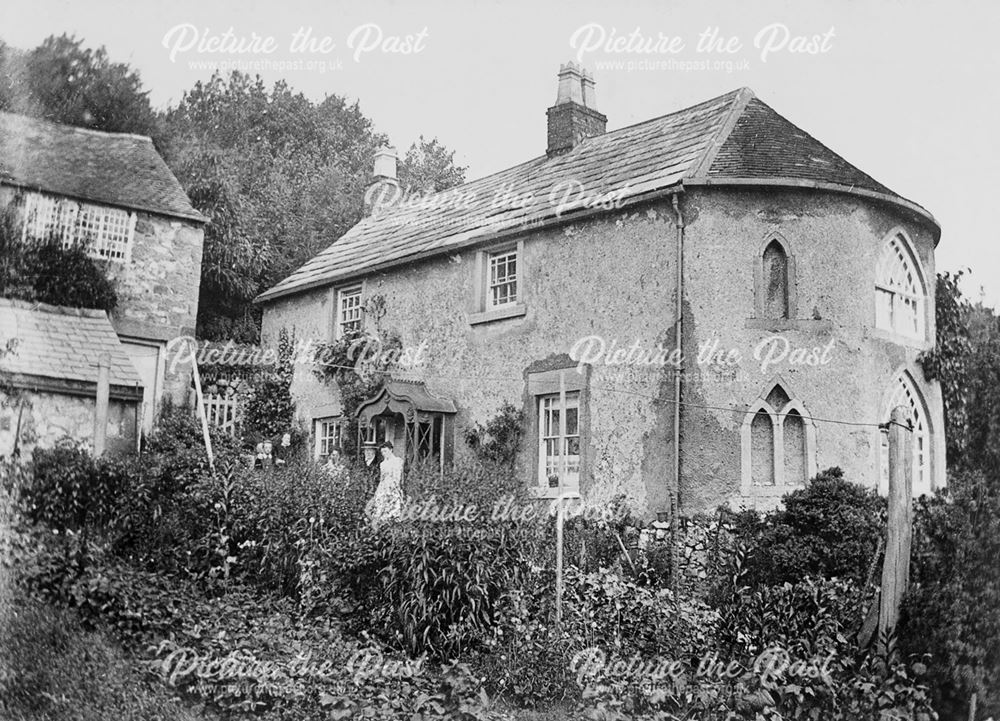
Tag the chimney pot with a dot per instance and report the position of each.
(385, 163)
(384, 191)
(570, 88)
(589, 90)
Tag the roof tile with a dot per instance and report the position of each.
(112, 168)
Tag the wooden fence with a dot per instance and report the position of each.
(222, 413)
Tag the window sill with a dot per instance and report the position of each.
(900, 339)
(543, 492)
(779, 324)
(488, 316)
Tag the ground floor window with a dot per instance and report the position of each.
(559, 440)
(328, 433)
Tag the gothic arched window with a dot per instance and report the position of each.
(900, 291)
(775, 281)
(778, 442)
(904, 392)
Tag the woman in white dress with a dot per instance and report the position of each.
(387, 503)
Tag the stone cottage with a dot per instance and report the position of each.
(700, 308)
(113, 193)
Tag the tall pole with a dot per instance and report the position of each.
(899, 534)
(560, 518)
(101, 404)
(199, 398)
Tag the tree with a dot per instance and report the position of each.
(966, 361)
(429, 167)
(281, 178)
(64, 82)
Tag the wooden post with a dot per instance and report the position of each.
(201, 410)
(563, 448)
(101, 404)
(559, 560)
(896, 567)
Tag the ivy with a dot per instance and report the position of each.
(357, 373)
(42, 270)
(948, 362)
(270, 409)
(499, 440)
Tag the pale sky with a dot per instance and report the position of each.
(907, 91)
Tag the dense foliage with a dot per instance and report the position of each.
(43, 270)
(65, 82)
(952, 610)
(281, 177)
(829, 529)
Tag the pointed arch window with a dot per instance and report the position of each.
(904, 392)
(778, 443)
(774, 280)
(775, 277)
(900, 289)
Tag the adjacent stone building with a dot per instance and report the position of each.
(113, 193)
(795, 290)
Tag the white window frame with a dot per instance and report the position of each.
(342, 321)
(904, 392)
(900, 289)
(484, 307)
(106, 232)
(495, 285)
(329, 434)
(569, 480)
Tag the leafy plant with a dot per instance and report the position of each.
(500, 439)
(831, 528)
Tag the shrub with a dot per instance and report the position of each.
(70, 490)
(950, 610)
(52, 669)
(831, 528)
(45, 271)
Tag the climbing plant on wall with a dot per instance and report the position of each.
(358, 363)
(269, 409)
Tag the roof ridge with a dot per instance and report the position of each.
(49, 308)
(743, 97)
(591, 140)
(76, 128)
(689, 108)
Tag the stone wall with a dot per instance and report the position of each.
(158, 290)
(45, 418)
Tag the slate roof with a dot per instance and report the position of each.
(733, 138)
(61, 343)
(111, 168)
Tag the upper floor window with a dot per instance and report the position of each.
(502, 270)
(104, 232)
(904, 392)
(348, 310)
(900, 291)
(778, 440)
(775, 278)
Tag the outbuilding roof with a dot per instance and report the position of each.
(56, 343)
(118, 169)
(734, 139)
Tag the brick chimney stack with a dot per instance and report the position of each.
(384, 190)
(574, 116)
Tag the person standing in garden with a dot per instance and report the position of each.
(387, 503)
